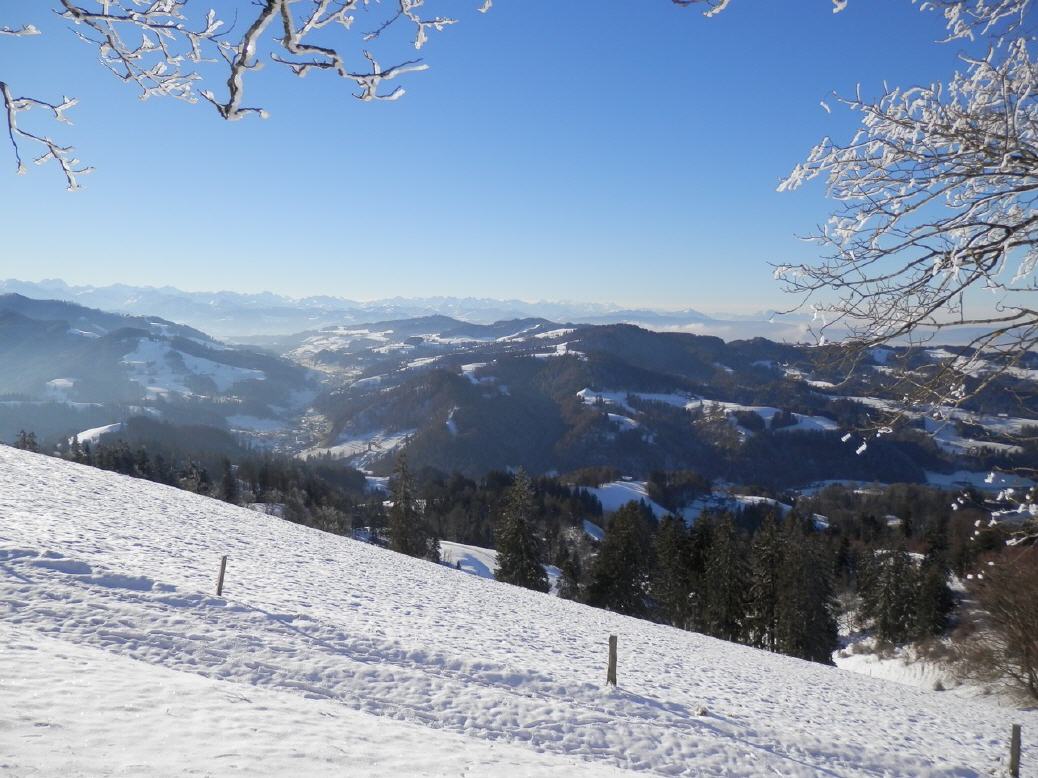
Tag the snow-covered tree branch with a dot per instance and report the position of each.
(20, 137)
(173, 48)
(937, 197)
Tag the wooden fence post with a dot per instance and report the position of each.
(1014, 752)
(219, 581)
(611, 672)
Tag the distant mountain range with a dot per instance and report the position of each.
(234, 315)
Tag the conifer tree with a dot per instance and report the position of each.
(569, 565)
(806, 603)
(26, 441)
(518, 557)
(619, 574)
(671, 580)
(888, 587)
(725, 584)
(699, 542)
(229, 483)
(75, 451)
(933, 600)
(407, 533)
(765, 560)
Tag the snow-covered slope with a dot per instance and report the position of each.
(483, 561)
(326, 655)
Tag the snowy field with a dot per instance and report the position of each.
(361, 448)
(619, 399)
(329, 656)
(483, 561)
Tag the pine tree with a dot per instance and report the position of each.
(75, 451)
(26, 441)
(725, 584)
(620, 571)
(569, 565)
(765, 558)
(933, 600)
(806, 604)
(406, 531)
(229, 483)
(888, 588)
(701, 538)
(671, 582)
(518, 558)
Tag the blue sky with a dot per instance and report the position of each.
(590, 150)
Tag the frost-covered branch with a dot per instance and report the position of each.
(172, 54)
(63, 156)
(963, 18)
(173, 48)
(51, 150)
(937, 225)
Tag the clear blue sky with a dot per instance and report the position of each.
(557, 149)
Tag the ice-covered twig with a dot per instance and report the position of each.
(63, 156)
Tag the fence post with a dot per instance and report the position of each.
(1014, 752)
(219, 581)
(611, 672)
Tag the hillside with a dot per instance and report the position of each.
(325, 655)
(554, 397)
(69, 368)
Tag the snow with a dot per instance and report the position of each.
(948, 439)
(482, 562)
(940, 354)
(269, 508)
(335, 339)
(560, 350)
(978, 479)
(722, 501)
(904, 668)
(803, 422)
(326, 655)
(364, 448)
(469, 371)
(617, 494)
(377, 483)
(452, 426)
(160, 722)
(592, 530)
(150, 366)
(422, 362)
(61, 383)
(94, 434)
(555, 333)
(859, 487)
(374, 380)
(619, 399)
(939, 423)
(623, 422)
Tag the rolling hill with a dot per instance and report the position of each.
(69, 368)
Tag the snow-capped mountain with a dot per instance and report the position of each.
(237, 315)
(327, 656)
